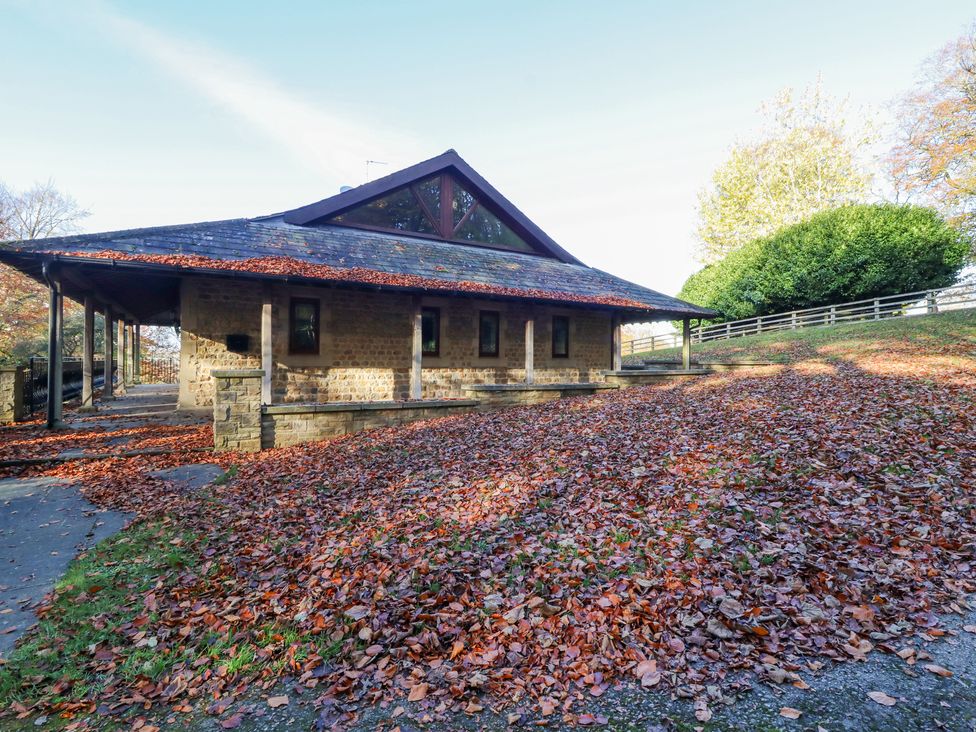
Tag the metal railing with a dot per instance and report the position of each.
(159, 370)
(907, 304)
(35, 381)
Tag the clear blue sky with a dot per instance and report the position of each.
(600, 120)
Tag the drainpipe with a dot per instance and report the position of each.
(54, 342)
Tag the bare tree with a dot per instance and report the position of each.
(41, 210)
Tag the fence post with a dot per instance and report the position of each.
(792, 321)
(728, 330)
(759, 325)
(833, 315)
(699, 329)
(933, 304)
(653, 346)
(877, 309)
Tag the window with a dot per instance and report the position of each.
(560, 336)
(488, 321)
(430, 331)
(303, 326)
(438, 207)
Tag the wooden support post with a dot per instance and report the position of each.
(267, 353)
(792, 321)
(933, 303)
(55, 341)
(877, 309)
(88, 358)
(617, 362)
(759, 324)
(728, 330)
(120, 356)
(686, 343)
(108, 389)
(137, 354)
(530, 350)
(417, 351)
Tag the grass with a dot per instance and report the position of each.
(932, 331)
(91, 602)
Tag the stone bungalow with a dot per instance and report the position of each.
(422, 293)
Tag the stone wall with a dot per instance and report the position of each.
(237, 409)
(499, 396)
(366, 337)
(292, 424)
(11, 394)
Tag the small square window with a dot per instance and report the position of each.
(488, 327)
(560, 336)
(303, 326)
(430, 331)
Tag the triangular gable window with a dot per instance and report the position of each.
(440, 207)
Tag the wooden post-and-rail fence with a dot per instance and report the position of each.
(922, 302)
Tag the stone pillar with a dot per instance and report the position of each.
(11, 394)
(237, 409)
(108, 388)
(417, 351)
(137, 354)
(88, 359)
(686, 343)
(55, 341)
(267, 354)
(530, 351)
(617, 361)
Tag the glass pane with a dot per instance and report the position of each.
(430, 331)
(399, 210)
(430, 192)
(488, 335)
(304, 328)
(484, 227)
(462, 202)
(560, 336)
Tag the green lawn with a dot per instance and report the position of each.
(930, 331)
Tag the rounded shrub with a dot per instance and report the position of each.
(848, 253)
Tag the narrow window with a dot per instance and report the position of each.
(488, 333)
(303, 320)
(560, 336)
(430, 331)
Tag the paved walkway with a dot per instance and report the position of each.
(44, 523)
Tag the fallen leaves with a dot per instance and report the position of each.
(881, 698)
(933, 668)
(277, 701)
(680, 537)
(790, 713)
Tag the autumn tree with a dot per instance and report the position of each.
(34, 213)
(934, 158)
(807, 158)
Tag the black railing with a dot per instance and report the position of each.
(35, 381)
(159, 370)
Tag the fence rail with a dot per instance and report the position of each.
(153, 371)
(922, 302)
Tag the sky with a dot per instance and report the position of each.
(600, 121)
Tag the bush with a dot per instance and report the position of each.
(848, 253)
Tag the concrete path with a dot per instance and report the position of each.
(44, 523)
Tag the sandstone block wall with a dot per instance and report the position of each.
(11, 394)
(365, 343)
(237, 410)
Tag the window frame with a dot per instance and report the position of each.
(437, 325)
(562, 319)
(293, 349)
(498, 334)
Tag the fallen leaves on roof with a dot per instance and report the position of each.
(291, 267)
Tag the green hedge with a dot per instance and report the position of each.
(848, 253)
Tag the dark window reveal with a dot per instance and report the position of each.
(560, 336)
(303, 324)
(488, 321)
(430, 331)
(238, 343)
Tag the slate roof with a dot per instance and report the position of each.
(341, 246)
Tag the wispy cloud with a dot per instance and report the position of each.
(330, 143)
